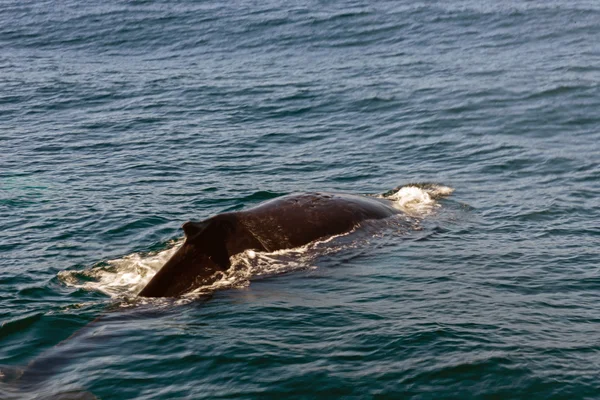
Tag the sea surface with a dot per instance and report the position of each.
(120, 120)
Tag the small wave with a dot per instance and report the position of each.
(417, 199)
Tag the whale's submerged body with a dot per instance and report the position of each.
(282, 223)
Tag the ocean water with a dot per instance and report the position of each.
(120, 120)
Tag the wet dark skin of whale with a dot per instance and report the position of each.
(282, 223)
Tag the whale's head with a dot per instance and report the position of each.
(195, 264)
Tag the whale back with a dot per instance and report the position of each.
(297, 219)
(283, 223)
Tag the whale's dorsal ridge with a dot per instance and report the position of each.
(192, 228)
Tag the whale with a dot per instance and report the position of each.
(282, 223)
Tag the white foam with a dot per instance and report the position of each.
(121, 277)
(418, 199)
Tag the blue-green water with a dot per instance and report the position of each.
(120, 120)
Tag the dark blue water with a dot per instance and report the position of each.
(120, 120)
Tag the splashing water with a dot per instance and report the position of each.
(417, 199)
(126, 277)
(121, 277)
